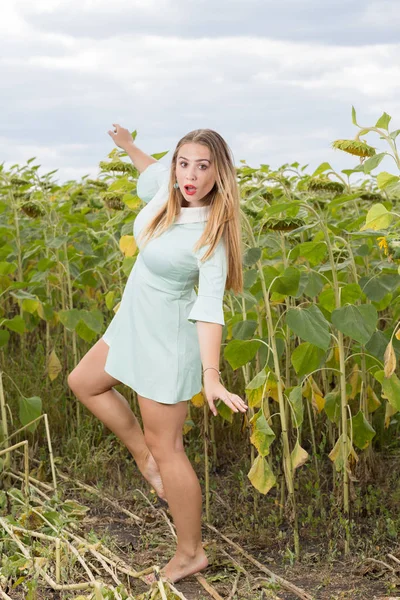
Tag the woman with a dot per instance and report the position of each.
(151, 344)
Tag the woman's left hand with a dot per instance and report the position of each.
(214, 390)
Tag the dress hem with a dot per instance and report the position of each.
(142, 394)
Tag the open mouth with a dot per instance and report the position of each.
(190, 189)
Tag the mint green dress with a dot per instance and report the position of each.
(153, 341)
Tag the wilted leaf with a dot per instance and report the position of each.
(198, 400)
(318, 401)
(298, 456)
(262, 435)
(363, 432)
(337, 454)
(54, 366)
(391, 389)
(389, 412)
(296, 402)
(373, 400)
(127, 245)
(390, 360)
(355, 381)
(261, 475)
(256, 389)
(188, 426)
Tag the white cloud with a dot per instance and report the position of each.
(271, 98)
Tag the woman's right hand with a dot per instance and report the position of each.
(121, 136)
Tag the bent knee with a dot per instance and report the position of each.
(162, 448)
(75, 381)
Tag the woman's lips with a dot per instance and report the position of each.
(190, 190)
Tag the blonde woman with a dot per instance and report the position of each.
(163, 334)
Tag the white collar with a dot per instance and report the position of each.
(192, 214)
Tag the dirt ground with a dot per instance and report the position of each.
(245, 563)
(152, 543)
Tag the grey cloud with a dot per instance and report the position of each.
(252, 92)
(339, 22)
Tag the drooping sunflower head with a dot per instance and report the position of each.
(324, 184)
(32, 209)
(97, 183)
(113, 199)
(14, 180)
(354, 147)
(284, 224)
(47, 185)
(374, 196)
(267, 195)
(117, 165)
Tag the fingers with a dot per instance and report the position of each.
(235, 403)
(113, 133)
(212, 407)
(116, 125)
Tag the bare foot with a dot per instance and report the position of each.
(181, 566)
(151, 473)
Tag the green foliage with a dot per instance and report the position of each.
(321, 297)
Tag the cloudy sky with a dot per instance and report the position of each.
(277, 80)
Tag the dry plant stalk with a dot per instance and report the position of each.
(212, 591)
(283, 582)
(46, 577)
(58, 561)
(31, 487)
(26, 461)
(49, 445)
(4, 417)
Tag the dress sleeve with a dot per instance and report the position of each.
(211, 289)
(150, 180)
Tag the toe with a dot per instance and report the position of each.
(149, 579)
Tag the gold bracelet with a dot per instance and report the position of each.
(219, 372)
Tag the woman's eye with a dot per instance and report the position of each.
(183, 163)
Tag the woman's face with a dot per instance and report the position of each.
(194, 167)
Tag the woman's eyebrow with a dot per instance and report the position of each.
(198, 160)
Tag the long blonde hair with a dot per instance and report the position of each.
(224, 199)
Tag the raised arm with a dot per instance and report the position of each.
(123, 139)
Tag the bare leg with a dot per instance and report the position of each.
(163, 425)
(93, 387)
